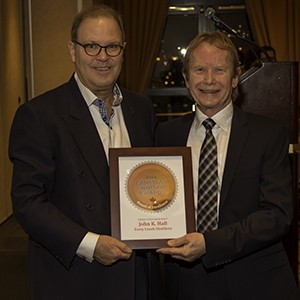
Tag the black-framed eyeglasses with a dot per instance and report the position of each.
(93, 49)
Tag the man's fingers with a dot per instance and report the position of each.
(109, 250)
(178, 242)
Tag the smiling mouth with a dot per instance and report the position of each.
(102, 68)
(209, 91)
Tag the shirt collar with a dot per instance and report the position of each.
(222, 119)
(90, 97)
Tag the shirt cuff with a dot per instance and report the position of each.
(87, 246)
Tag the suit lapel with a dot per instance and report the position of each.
(184, 130)
(82, 127)
(128, 113)
(238, 137)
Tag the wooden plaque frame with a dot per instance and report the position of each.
(130, 157)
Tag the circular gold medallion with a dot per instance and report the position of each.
(151, 186)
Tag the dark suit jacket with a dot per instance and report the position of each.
(60, 191)
(245, 258)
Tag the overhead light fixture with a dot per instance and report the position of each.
(182, 8)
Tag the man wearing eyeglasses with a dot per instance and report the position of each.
(59, 146)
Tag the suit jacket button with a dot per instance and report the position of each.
(90, 206)
(82, 173)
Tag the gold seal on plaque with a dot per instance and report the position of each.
(151, 186)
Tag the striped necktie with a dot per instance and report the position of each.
(208, 181)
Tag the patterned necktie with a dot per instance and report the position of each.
(208, 181)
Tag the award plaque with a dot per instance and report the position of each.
(151, 195)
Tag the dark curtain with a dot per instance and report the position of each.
(144, 23)
(276, 23)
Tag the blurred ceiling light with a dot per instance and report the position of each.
(182, 8)
(183, 51)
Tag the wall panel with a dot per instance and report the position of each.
(11, 90)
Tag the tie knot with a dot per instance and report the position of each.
(208, 124)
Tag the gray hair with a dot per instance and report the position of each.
(96, 11)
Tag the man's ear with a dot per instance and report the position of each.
(236, 76)
(71, 47)
(186, 79)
